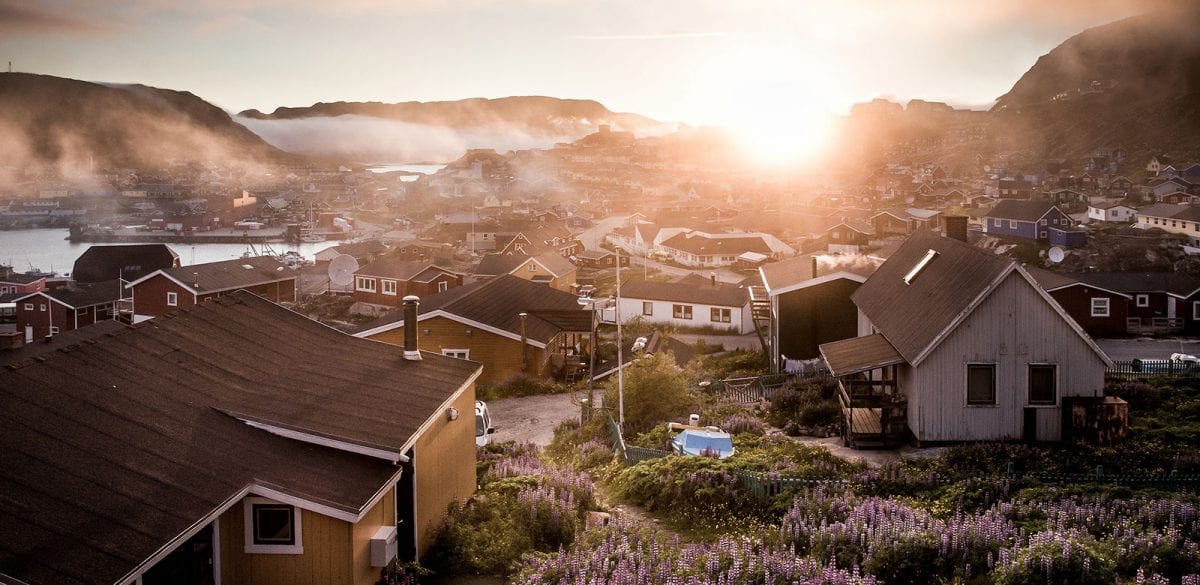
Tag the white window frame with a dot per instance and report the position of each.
(361, 283)
(462, 354)
(1043, 221)
(1044, 234)
(1142, 300)
(720, 315)
(54, 330)
(385, 284)
(1196, 310)
(681, 311)
(995, 222)
(271, 549)
(172, 299)
(995, 387)
(1100, 307)
(28, 306)
(42, 307)
(443, 286)
(1012, 224)
(533, 267)
(648, 308)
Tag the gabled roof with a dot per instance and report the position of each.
(1053, 281)
(594, 254)
(364, 248)
(688, 291)
(795, 273)
(1174, 283)
(495, 305)
(20, 278)
(99, 263)
(930, 285)
(81, 296)
(225, 275)
(705, 245)
(398, 269)
(912, 316)
(1021, 210)
(497, 264)
(112, 450)
(1167, 210)
(861, 226)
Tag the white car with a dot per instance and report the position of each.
(483, 424)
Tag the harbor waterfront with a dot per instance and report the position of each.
(50, 250)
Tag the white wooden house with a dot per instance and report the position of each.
(692, 302)
(959, 344)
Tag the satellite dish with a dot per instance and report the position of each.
(342, 269)
(1056, 255)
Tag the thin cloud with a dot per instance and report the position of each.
(17, 18)
(650, 36)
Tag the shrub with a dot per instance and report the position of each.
(1137, 393)
(808, 404)
(518, 385)
(655, 392)
(1053, 558)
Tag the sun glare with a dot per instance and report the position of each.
(783, 133)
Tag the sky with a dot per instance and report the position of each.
(742, 63)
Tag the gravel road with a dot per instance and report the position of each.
(531, 418)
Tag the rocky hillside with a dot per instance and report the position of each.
(1133, 84)
(67, 122)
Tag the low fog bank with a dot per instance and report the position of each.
(368, 138)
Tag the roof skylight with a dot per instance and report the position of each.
(921, 264)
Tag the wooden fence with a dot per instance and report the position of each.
(759, 388)
(1146, 369)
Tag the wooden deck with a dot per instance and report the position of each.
(865, 421)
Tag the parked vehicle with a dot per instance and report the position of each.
(483, 424)
(1179, 362)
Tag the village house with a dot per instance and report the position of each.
(1183, 220)
(809, 301)
(694, 301)
(385, 282)
(171, 289)
(16, 282)
(237, 442)
(902, 222)
(48, 312)
(698, 249)
(101, 263)
(1127, 303)
(363, 252)
(959, 344)
(848, 236)
(1112, 213)
(549, 269)
(510, 325)
(1040, 221)
(1100, 311)
(597, 259)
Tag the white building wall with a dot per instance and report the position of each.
(739, 318)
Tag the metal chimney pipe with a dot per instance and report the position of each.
(814, 266)
(411, 353)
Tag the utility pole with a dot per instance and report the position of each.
(620, 352)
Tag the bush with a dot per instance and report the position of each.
(1053, 558)
(518, 385)
(1137, 393)
(655, 392)
(810, 405)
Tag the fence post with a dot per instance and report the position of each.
(1099, 472)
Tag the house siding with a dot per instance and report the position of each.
(150, 295)
(1077, 302)
(500, 356)
(55, 313)
(1012, 328)
(404, 288)
(326, 558)
(564, 282)
(444, 467)
(739, 317)
(814, 315)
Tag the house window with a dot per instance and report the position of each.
(1042, 384)
(443, 286)
(981, 384)
(835, 235)
(995, 223)
(1012, 224)
(28, 306)
(681, 311)
(532, 267)
(365, 284)
(1043, 233)
(42, 307)
(389, 287)
(172, 299)
(1196, 310)
(647, 308)
(1143, 300)
(464, 354)
(53, 330)
(272, 527)
(1043, 222)
(719, 315)
(1099, 307)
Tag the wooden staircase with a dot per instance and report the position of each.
(760, 315)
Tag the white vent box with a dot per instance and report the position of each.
(383, 546)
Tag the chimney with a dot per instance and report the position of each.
(955, 226)
(814, 266)
(524, 342)
(713, 278)
(411, 353)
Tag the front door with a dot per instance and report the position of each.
(1029, 428)
(29, 334)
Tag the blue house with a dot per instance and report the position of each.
(1040, 221)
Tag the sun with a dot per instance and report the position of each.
(782, 132)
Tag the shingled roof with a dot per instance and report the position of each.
(399, 269)
(87, 295)
(497, 264)
(497, 303)
(131, 262)
(1020, 210)
(226, 274)
(113, 449)
(705, 245)
(913, 316)
(690, 291)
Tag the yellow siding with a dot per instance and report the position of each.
(500, 356)
(326, 557)
(444, 460)
(383, 514)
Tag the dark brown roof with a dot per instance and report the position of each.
(1176, 283)
(701, 245)
(229, 274)
(497, 264)
(691, 291)
(395, 268)
(912, 316)
(87, 295)
(59, 340)
(498, 303)
(859, 354)
(131, 262)
(111, 449)
(793, 271)
(1021, 210)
